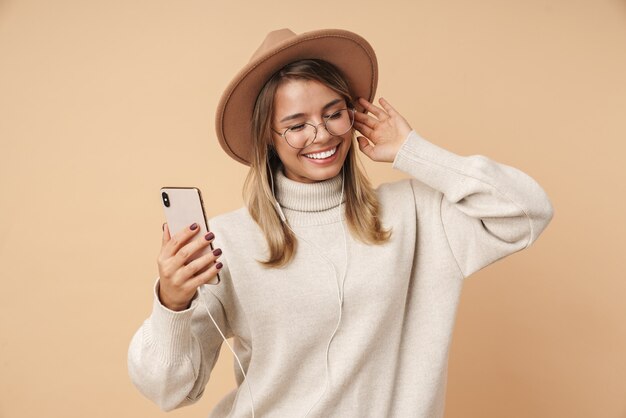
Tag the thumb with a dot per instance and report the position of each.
(365, 147)
(166, 233)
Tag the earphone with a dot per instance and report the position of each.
(340, 288)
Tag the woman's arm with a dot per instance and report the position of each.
(171, 356)
(488, 209)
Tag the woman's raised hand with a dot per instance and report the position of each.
(178, 277)
(384, 130)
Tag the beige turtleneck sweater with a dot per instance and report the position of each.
(389, 356)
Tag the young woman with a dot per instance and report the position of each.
(340, 298)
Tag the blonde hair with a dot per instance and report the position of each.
(362, 206)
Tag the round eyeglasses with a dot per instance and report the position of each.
(303, 134)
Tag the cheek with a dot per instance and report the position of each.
(285, 152)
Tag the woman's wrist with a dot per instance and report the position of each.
(171, 305)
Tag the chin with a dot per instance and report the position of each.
(325, 175)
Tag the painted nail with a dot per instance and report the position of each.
(193, 226)
(163, 226)
(219, 266)
(209, 236)
(217, 252)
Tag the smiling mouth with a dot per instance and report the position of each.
(322, 155)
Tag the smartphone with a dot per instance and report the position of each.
(183, 206)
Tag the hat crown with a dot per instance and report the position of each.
(272, 39)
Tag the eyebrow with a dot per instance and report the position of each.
(299, 115)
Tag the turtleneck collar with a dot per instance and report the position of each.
(309, 203)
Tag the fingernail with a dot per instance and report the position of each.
(193, 226)
(219, 266)
(217, 252)
(209, 236)
(163, 226)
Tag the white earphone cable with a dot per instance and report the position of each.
(245, 378)
(340, 289)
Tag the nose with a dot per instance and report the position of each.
(322, 133)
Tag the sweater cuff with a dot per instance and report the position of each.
(416, 146)
(436, 166)
(397, 161)
(170, 330)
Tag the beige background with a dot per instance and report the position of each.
(103, 102)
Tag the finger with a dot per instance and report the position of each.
(206, 276)
(366, 147)
(179, 239)
(166, 234)
(388, 108)
(165, 238)
(184, 254)
(365, 119)
(199, 265)
(364, 129)
(372, 108)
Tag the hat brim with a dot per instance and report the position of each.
(349, 52)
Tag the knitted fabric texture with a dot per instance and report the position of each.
(453, 217)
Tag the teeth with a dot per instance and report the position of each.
(322, 155)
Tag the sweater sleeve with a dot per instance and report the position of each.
(171, 356)
(488, 210)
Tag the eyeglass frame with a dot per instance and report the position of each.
(352, 109)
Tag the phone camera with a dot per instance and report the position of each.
(166, 199)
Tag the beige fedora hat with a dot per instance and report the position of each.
(349, 52)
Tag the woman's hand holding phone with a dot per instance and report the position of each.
(178, 276)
